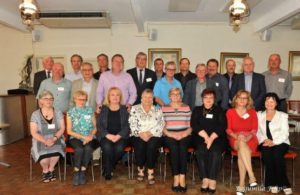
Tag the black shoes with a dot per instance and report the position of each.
(179, 188)
(76, 178)
(82, 177)
(108, 176)
(211, 191)
(207, 190)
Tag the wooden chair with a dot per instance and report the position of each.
(292, 155)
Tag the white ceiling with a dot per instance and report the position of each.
(264, 13)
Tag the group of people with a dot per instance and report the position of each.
(152, 109)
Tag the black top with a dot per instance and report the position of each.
(269, 135)
(114, 122)
(184, 79)
(211, 121)
(97, 75)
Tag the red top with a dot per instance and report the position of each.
(247, 124)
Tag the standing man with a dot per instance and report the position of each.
(194, 88)
(230, 75)
(87, 84)
(163, 86)
(59, 87)
(220, 83)
(185, 74)
(43, 74)
(278, 81)
(252, 82)
(76, 61)
(102, 60)
(143, 77)
(159, 68)
(116, 77)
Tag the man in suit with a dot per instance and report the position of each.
(230, 75)
(184, 75)
(220, 83)
(102, 60)
(87, 84)
(251, 82)
(159, 68)
(143, 77)
(43, 74)
(194, 88)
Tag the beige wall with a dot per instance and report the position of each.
(15, 46)
(199, 42)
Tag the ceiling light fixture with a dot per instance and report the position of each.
(238, 13)
(28, 12)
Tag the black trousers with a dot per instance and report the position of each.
(273, 159)
(209, 161)
(83, 153)
(112, 152)
(178, 154)
(146, 152)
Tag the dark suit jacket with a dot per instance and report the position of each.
(189, 97)
(232, 81)
(97, 75)
(37, 80)
(148, 82)
(258, 88)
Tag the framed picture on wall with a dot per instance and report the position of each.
(237, 57)
(167, 54)
(294, 65)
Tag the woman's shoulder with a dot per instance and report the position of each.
(282, 114)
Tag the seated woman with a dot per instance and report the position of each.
(273, 137)
(209, 123)
(113, 129)
(146, 124)
(177, 133)
(81, 126)
(242, 126)
(47, 127)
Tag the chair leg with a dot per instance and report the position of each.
(30, 168)
(92, 169)
(223, 168)
(261, 170)
(193, 168)
(65, 167)
(293, 171)
(165, 167)
(231, 165)
(128, 159)
(58, 165)
(101, 165)
(132, 164)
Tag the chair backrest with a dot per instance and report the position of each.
(294, 105)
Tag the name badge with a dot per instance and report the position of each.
(246, 115)
(217, 84)
(281, 80)
(60, 88)
(148, 79)
(51, 126)
(209, 115)
(87, 117)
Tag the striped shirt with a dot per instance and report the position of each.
(177, 119)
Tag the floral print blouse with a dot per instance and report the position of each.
(82, 120)
(141, 121)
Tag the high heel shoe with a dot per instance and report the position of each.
(211, 191)
(141, 175)
(175, 188)
(204, 190)
(183, 189)
(151, 179)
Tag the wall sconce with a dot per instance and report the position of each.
(28, 12)
(238, 13)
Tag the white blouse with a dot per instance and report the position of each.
(141, 121)
(279, 128)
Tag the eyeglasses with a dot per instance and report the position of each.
(243, 98)
(175, 94)
(48, 99)
(85, 70)
(81, 99)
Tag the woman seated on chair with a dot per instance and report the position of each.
(81, 127)
(209, 123)
(146, 124)
(47, 127)
(113, 129)
(177, 133)
(273, 137)
(242, 126)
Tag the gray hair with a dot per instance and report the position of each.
(45, 93)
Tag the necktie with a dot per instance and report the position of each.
(48, 74)
(230, 81)
(141, 77)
